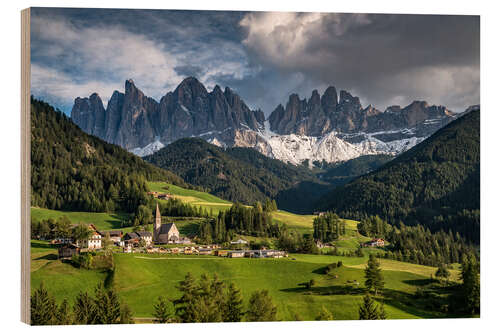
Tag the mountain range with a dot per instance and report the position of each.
(326, 128)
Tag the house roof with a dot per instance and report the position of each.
(131, 235)
(144, 233)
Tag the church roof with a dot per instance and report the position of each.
(165, 228)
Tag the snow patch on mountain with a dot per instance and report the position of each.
(149, 149)
(332, 147)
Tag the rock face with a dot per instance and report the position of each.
(320, 115)
(133, 120)
(331, 127)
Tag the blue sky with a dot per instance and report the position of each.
(264, 56)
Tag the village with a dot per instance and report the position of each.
(165, 239)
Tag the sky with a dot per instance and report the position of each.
(263, 56)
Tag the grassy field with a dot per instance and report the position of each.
(103, 221)
(141, 278)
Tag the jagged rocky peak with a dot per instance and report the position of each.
(329, 99)
(345, 114)
(134, 120)
(189, 90)
(89, 114)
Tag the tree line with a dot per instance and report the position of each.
(212, 300)
(252, 221)
(417, 244)
(71, 170)
(328, 227)
(103, 307)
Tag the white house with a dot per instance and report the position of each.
(239, 241)
(94, 242)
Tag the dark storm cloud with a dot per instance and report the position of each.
(385, 59)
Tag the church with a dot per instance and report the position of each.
(164, 233)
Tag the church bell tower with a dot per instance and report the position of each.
(157, 224)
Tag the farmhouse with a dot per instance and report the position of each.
(146, 236)
(376, 242)
(133, 238)
(68, 250)
(114, 235)
(94, 241)
(166, 233)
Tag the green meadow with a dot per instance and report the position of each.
(103, 221)
(141, 278)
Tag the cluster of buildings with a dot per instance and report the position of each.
(168, 234)
(214, 250)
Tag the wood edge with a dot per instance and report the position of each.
(25, 163)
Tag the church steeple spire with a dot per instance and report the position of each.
(157, 223)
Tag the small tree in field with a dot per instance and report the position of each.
(373, 275)
(368, 310)
(324, 314)
(261, 307)
(442, 272)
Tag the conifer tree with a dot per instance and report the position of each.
(126, 315)
(442, 272)
(471, 291)
(107, 306)
(234, 304)
(84, 309)
(161, 313)
(324, 314)
(63, 315)
(373, 275)
(368, 310)
(261, 307)
(185, 305)
(381, 312)
(43, 307)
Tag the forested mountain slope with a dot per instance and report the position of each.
(71, 170)
(436, 183)
(240, 174)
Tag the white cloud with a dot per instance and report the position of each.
(92, 56)
(63, 89)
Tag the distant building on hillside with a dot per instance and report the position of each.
(239, 242)
(166, 233)
(376, 242)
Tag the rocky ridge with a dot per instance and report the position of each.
(330, 127)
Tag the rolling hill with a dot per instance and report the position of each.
(436, 183)
(240, 174)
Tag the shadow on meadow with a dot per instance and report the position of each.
(42, 245)
(51, 256)
(327, 290)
